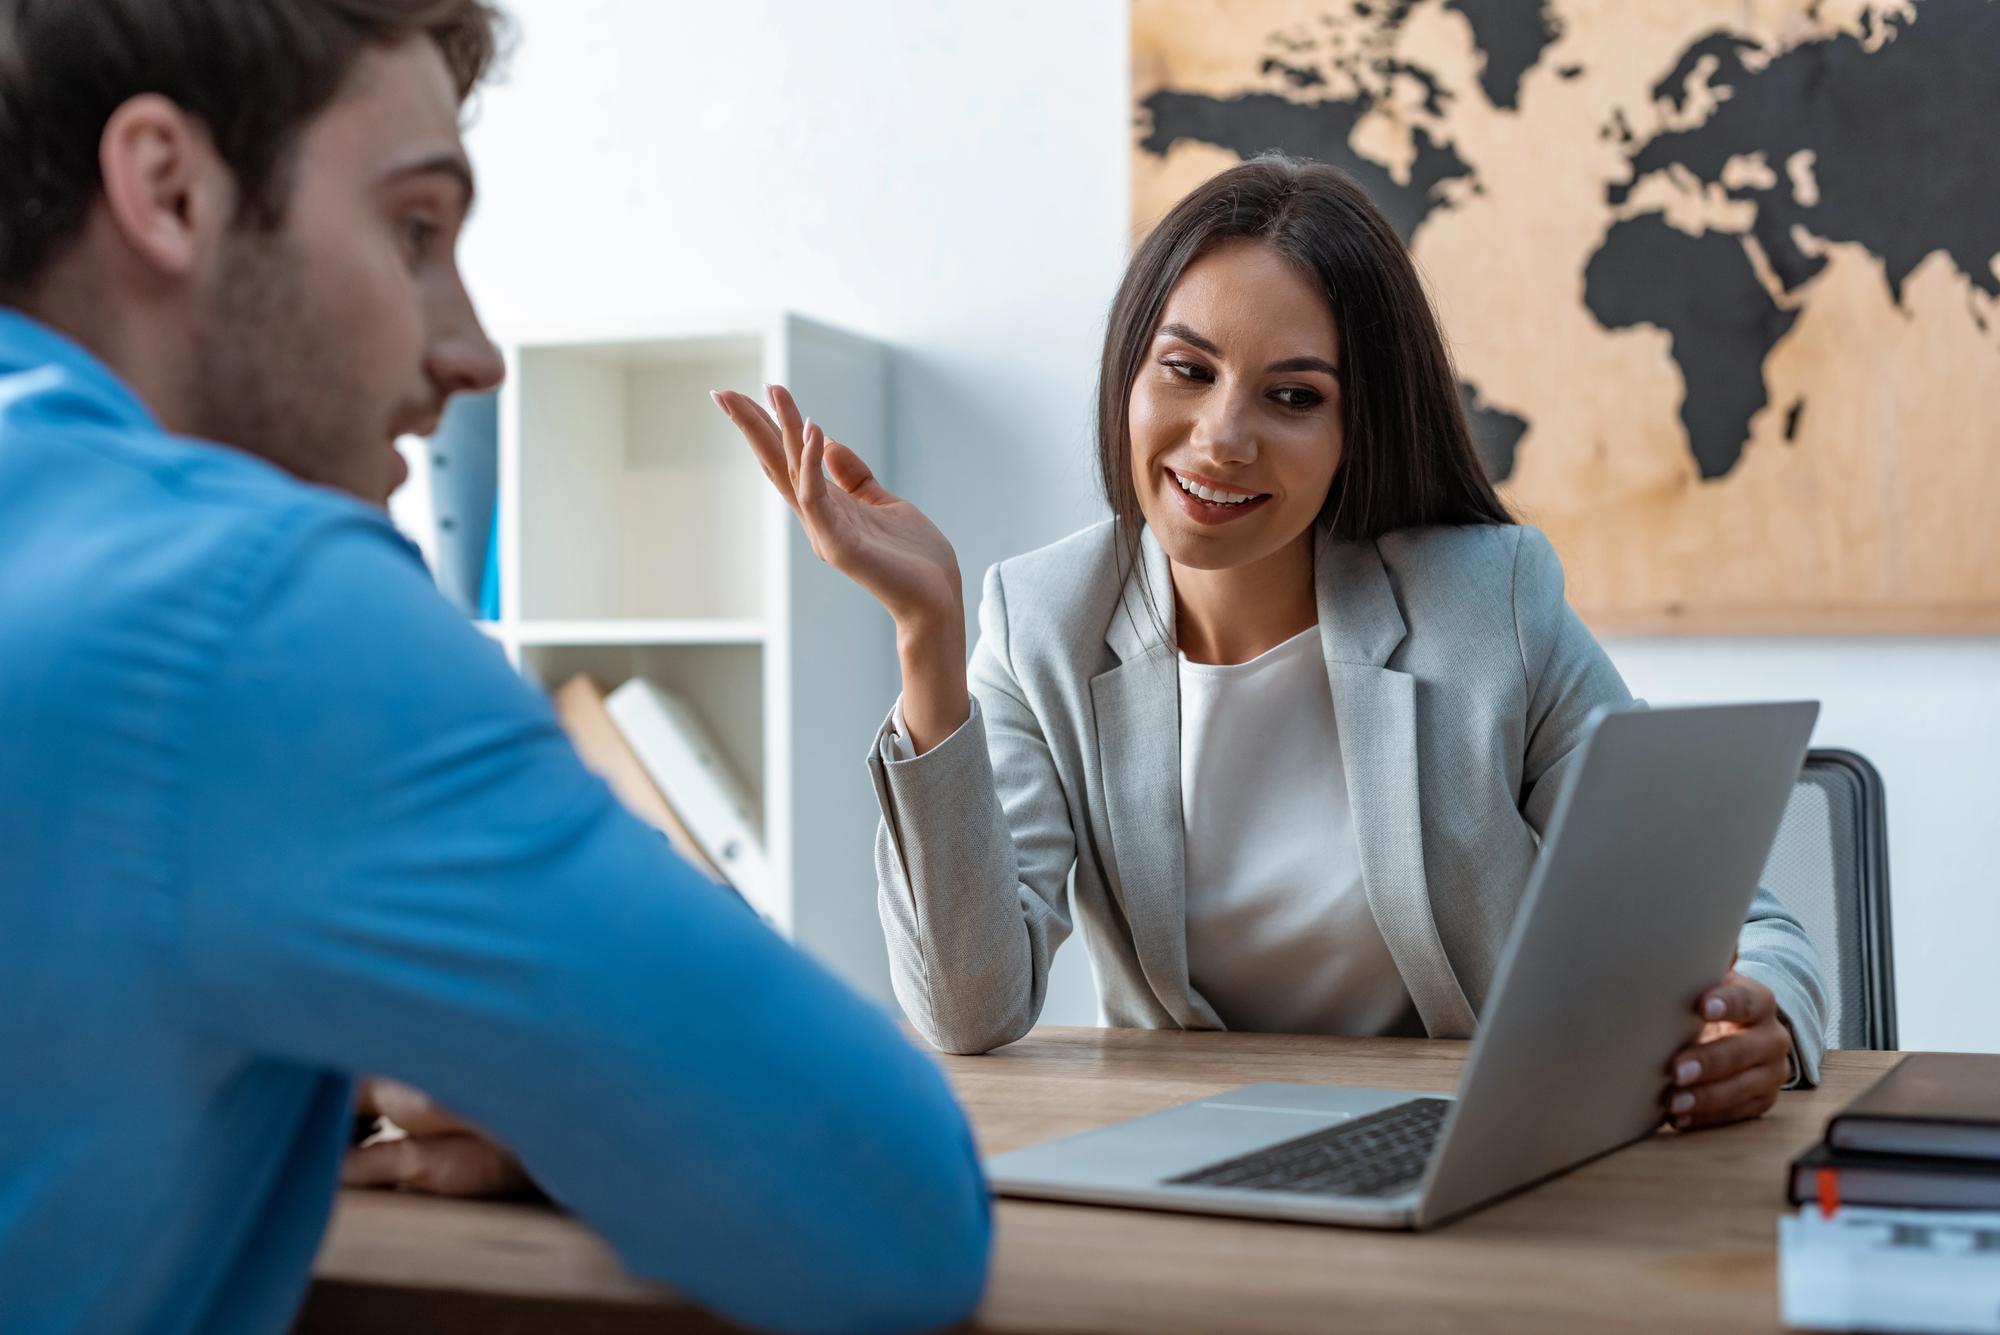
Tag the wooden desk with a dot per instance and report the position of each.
(1674, 1234)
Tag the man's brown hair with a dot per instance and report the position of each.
(254, 72)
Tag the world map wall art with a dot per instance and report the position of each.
(1721, 277)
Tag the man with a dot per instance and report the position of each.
(271, 813)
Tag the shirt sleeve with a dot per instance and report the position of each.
(896, 743)
(397, 864)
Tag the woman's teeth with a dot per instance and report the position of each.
(1209, 494)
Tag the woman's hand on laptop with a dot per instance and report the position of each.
(1739, 1063)
(426, 1148)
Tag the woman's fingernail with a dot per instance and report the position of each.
(1681, 1103)
(1713, 1008)
(1685, 1073)
(715, 396)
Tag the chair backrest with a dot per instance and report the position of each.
(1830, 867)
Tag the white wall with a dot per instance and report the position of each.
(952, 178)
(948, 177)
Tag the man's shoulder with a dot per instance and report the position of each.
(228, 487)
(81, 454)
(112, 494)
(145, 547)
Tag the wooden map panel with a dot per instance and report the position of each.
(1722, 277)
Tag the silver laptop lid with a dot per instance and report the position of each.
(1647, 871)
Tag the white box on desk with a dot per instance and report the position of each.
(1890, 1270)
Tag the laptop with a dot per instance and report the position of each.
(1651, 860)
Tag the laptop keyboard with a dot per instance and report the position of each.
(1377, 1155)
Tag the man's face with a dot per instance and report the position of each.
(323, 341)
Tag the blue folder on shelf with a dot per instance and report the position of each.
(465, 470)
(489, 581)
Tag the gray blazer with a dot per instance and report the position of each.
(1461, 681)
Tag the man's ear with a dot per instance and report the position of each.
(168, 191)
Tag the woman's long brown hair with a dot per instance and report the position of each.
(1407, 458)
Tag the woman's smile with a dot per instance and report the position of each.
(1235, 410)
(1207, 501)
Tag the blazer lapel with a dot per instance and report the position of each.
(1137, 708)
(1375, 709)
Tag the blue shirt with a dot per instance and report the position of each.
(273, 813)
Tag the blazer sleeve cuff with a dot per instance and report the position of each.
(907, 786)
(893, 744)
(1807, 1045)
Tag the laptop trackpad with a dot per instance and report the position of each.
(1150, 1149)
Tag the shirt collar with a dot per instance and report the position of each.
(28, 347)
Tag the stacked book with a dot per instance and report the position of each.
(653, 750)
(1924, 1136)
(1900, 1221)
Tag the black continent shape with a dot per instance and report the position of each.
(1905, 154)
(1702, 291)
(1258, 122)
(1496, 433)
(1904, 163)
(1512, 34)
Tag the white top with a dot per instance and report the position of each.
(1280, 938)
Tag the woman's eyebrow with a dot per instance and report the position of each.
(1187, 335)
(1304, 364)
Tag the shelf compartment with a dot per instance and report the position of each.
(724, 683)
(638, 499)
(639, 538)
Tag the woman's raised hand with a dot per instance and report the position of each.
(878, 540)
(860, 528)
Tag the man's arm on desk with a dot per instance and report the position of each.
(399, 866)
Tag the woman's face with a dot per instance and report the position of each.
(1235, 414)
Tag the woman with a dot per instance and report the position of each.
(1293, 720)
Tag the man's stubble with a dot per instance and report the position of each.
(273, 379)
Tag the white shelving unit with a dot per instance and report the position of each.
(639, 538)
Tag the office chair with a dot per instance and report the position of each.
(1830, 867)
